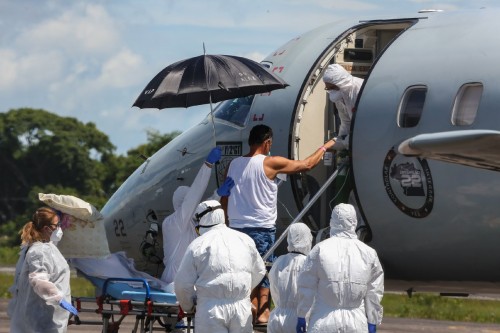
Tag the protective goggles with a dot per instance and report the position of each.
(60, 216)
(197, 217)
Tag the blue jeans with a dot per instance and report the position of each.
(264, 238)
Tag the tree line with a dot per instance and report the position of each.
(43, 152)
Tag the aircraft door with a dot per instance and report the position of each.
(318, 124)
(317, 120)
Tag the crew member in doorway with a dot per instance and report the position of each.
(343, 89)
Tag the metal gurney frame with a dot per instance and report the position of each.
(141, 304)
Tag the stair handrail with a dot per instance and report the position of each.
(304, 210)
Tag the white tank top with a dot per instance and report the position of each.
(253, 198)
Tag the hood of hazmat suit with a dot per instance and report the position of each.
(299, 238)
(179, 195)
(342, 282)
(219, 270)
(283, 279)
(343, 221)
(211, 214)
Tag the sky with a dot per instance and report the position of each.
(90, 59)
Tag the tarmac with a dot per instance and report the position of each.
(389, 325)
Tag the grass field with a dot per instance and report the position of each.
(432, 306)
(9, 255)
(79, 286)
(425, 306)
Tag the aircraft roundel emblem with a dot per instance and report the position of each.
(408, 183)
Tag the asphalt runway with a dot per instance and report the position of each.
(389, 325)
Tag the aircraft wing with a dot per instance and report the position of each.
(475, 148)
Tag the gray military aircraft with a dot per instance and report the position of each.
(425, 147)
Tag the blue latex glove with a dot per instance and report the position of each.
(215, 155)
(301, 325)
(225, 189)
(372, 328)
(67, 306)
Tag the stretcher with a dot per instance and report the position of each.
(154, 310)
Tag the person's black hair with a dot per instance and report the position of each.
(259, 134)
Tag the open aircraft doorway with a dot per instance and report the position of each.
(316, 119)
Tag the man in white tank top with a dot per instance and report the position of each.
(252, 206)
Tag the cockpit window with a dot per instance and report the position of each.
(411, 106)
(234, 110)
(466, 104)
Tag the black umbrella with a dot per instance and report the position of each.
(206, 79)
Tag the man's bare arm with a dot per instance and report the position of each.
(277, 164)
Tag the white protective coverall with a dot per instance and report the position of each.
(41, 282)
(219, 270)
(178, 228)
(342, 283)
(283, 279)
(344, 99)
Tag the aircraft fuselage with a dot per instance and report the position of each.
(433, 73)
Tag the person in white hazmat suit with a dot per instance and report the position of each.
(283, 279)
(342, 89)
(342, 283)
(217, 274)
(41, 294)
(178, 228)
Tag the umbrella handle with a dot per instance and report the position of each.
(209, 94)
(213, 121)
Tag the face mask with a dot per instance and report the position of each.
(335, 95)
(56, 235)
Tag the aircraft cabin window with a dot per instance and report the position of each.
(234, 110)
(411, 106)
(466, 104)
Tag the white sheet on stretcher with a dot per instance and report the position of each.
(117, 265)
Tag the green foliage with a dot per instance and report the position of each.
(40, 148)
(9, 255)
(155, 142)
(79, 286)
(126, 165)
(46, 153)
(6, 280)
(48, 149)
(427, 306)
